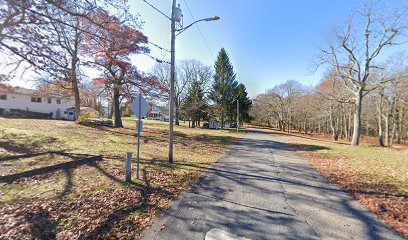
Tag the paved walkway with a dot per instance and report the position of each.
(261, 190)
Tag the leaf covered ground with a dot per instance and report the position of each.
(92, 201)
(376, 176)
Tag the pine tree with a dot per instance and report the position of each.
(245, 103)
(195, 104)
(224, 87)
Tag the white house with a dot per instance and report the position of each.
(16, 100)
(158, 113)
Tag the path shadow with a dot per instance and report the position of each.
(273, 131)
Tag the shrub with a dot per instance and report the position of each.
(84, 118)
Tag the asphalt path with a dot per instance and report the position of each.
(262, 190)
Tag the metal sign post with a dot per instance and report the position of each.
(139, 130)
(140, 107)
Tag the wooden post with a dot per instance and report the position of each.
(128, 167)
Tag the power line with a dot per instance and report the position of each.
(201, 33)
(156, 59)
(158, 10)
(161, 48)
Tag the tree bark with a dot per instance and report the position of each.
(116, 103)
(77, 98)
(380, 129)
(177, 112)
(345, 127)
(222, 119)
(387, 129)
(357, 118)
(74, 78)
(193, 124)
(334, 124)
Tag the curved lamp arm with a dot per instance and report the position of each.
(181, 30)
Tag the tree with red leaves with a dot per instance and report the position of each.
(111, 53)
(44, 36)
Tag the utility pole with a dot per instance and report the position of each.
(176, 16)
(237, 115)
(172, 78)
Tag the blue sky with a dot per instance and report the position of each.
(269, 41)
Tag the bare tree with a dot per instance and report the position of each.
(187, 72)
(354, 49)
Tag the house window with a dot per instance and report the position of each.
(35, 99)
(49, 100)
(3, 97)
(58, 101)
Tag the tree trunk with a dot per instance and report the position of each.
(357, 118)
(193, 124)
(334, 124)
(380, 129)
(116, 103)
(290, 121)
(398, 127)
(387, 129)
(401, 127)
(75, 89)
(222, 119)
(346, 129)
(349, 125)
(177, 113)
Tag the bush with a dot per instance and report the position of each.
(84, 118)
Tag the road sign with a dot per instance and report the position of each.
(140, 108)
(144, 106)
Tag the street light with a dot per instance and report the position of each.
(215, 18)
(176, 17)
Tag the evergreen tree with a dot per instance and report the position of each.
(195, 104)
(245, 103)
(224, 87)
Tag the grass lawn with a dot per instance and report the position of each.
(376, 176)
(92, 201)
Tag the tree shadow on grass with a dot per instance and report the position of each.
(40, 225)
(25, 144)
(67, 189)
(75, 161)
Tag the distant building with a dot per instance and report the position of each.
(20, 101)
(158, 113)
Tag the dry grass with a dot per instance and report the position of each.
(92, 200)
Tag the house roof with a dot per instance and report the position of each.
(159, 108)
